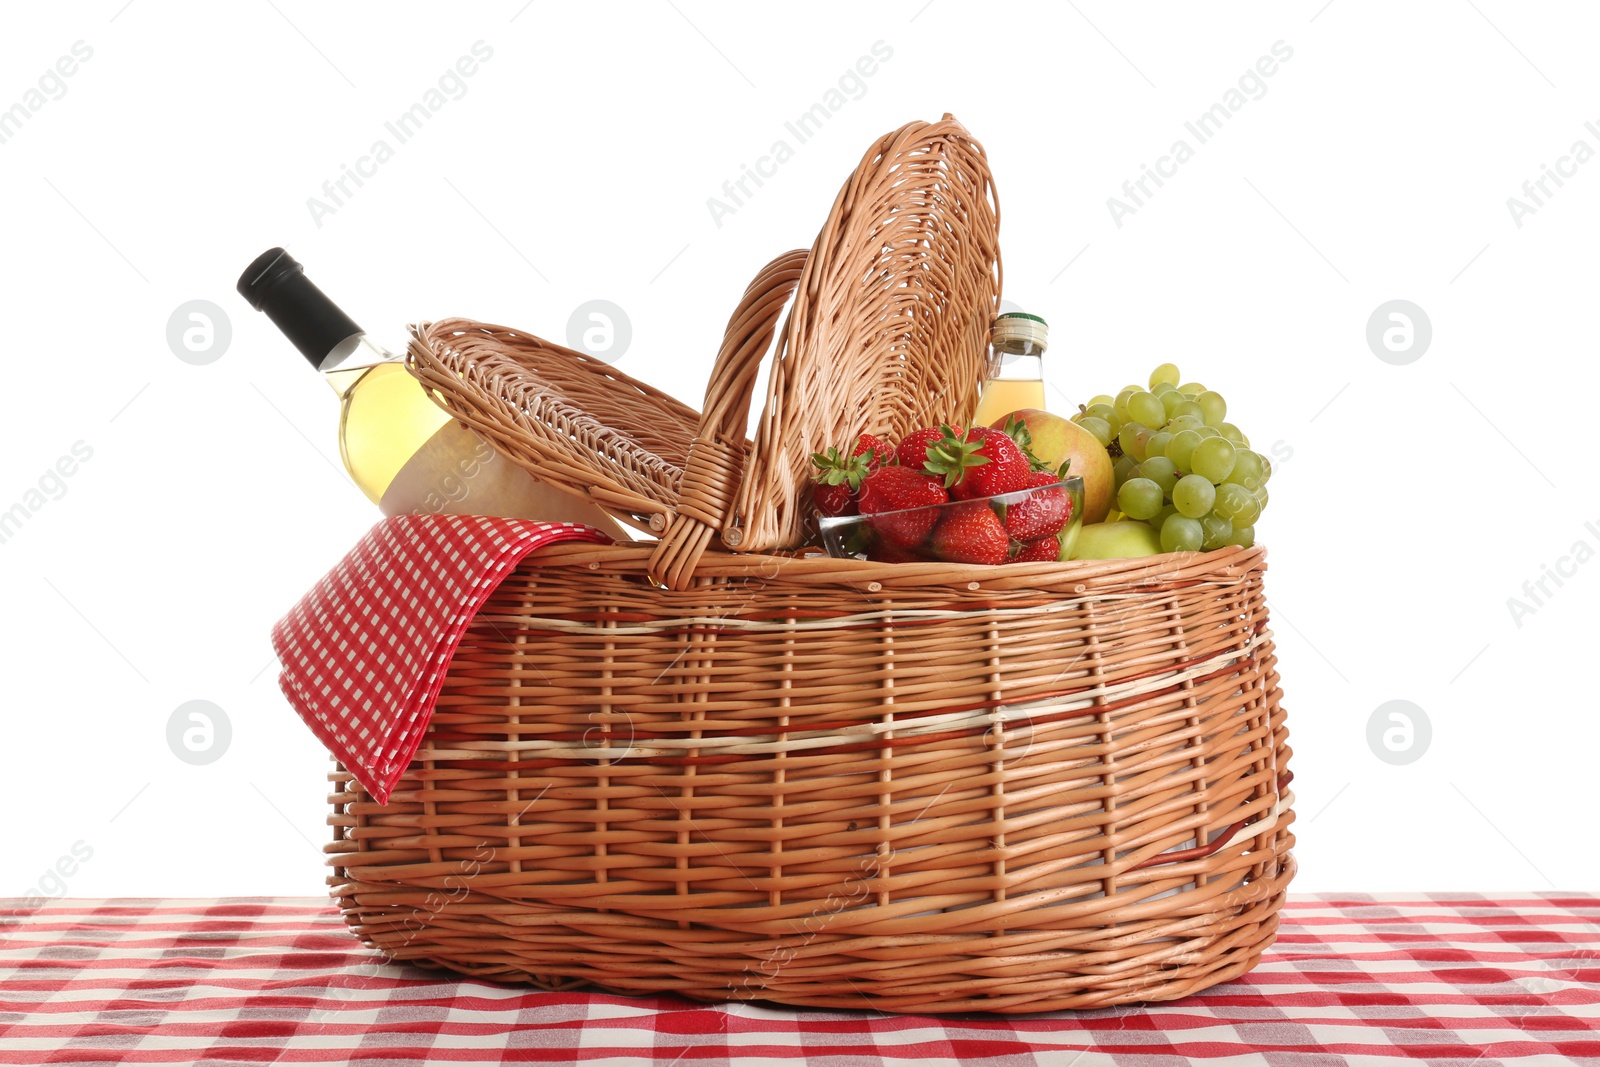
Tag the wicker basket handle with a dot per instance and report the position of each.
(718, 452)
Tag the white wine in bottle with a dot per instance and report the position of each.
(407, 454)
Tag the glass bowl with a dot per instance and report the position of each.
(951, 533)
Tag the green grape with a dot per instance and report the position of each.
(1171, 399)
(1139, 498)
(1125, 437)
(1167, 374)
(1120, 404)
(1181, 534)
(1157, 445)
(1120, 469)
(1141, 442)
(1099, 427)
(1234, 434)
(1212, 459)
(1193, 389)
(1147, 408)
(1243, 536)
(1108, 401)
(1183, 422)
(1214, 531)
(1260, 493)
(1212, 407)
(1181, 447)
(1247, 469)
(1163, 388)
(1101, 411)
(1207, 431)
(1266, 469)
(1193, 496)
(1237, 504)
(1159, 469)
(1189, 407)
(1162, 516)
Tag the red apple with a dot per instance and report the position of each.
(1055, 440)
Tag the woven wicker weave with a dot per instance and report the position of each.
(821, 782)
(913, 787)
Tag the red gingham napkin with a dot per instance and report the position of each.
(364, 652)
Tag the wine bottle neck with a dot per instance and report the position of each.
(277, 285)
(348, 363)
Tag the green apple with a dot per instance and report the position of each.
(1117, 540)
(1056, 440)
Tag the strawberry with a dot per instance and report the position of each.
(837, 480)
(889, 552)
(913, 448)
(895, 489)
(1043, 513)
(832, 500)
(983, 462)
(876, 450)
(1044, 550)
(971, 534)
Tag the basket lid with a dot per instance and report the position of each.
(890, 326)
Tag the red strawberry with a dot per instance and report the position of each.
(1043, 513)
(837, 480)
(1044, 550)
(876, 450)
(832, 500)
(983, 462)
(896, 489)
(889, 552)
(971, 534)
(913, 449)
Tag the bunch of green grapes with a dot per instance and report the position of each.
(1179, 465)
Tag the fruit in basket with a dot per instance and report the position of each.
(833, 499)
(1045, 513)
(899, 488)
(1139, 498)
(1038, 522)
(1055, 442)
(889, 552)
(1237, 504)
(1180, 533)
(1193, 496)
(1044, 550)
(912, 451)
(1178, 466)
(1166, 374)
(982, 462)
(1116, 540)
(838, 479)
(972, 533)
(874, 449)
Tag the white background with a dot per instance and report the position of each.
(578, 164)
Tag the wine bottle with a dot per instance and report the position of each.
(407, 454)
(1016, 368)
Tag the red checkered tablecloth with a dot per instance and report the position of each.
(1447, 979)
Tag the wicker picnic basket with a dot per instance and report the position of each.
(770, 775)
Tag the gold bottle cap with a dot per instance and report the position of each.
(1018, 326)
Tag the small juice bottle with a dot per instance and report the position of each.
(1016, 370)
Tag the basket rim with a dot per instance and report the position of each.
(812, 566)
